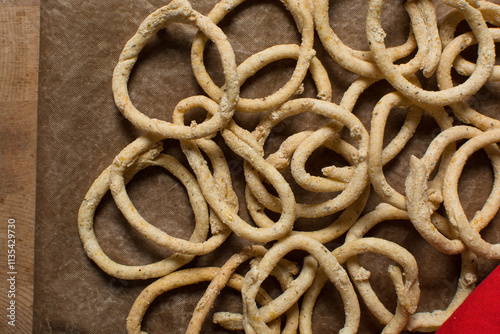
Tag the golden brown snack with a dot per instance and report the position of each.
(486, 57)
(117, 186)
(304, 21)
(378, 123)
(176, 11)
(469, 231)
(420, 321)
(100, 187)
(179, 279)
(353, 188)
(360, 62)
(253, 319)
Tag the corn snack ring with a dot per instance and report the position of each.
(392, 149)
(408, 292)
(409, 126)
(258, 60)
(292, 292)
(281, 158)
(223, 209)
(378, 123)
(253, 279)
(101, 186)
(338, 177)
(461, 109)
(422, 202)
(421, 321)
(361, 62)
(283, 272)
(469, 231)
(428, 50)
(486, 57)
(222, 174)
(287, 302)
(358, 181)
(431, 36)
(491, 12)
(218, 283)
(176, 11)
(304, 21)
(117, 185)
(179, 279)
(331, 232)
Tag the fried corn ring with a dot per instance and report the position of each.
(356, 184)
(179, 279)
(450, 55)
(117, 186)
(408, 291)
(253, 318)
(304, 21)
(409, 126)
(176, 11)
(341, 176)
(469, 231)
(283, 273)
(224, 210)
(100, 187)
(361, 62)
(338, 178)
(287, 302)
(218, 283)
(379, 119)
(421, 321)
(491, 13)
(329, 233)
(431, 36)
(486, 57)
(422, 201)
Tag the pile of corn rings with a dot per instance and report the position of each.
(430, 201)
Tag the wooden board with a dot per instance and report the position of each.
(19, 40)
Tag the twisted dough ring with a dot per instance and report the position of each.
(101, 186)
(421, 321)
(217, 284)
(117, 185)
(331, 232)
(375, 165)
(224, 210)
(361, 62)
(422, 202)
(354, 187)
(341, 176)
(408, 290)
(176, 11)
(304, 21)
(469, 231)
(461, 109)
(490, 13)
(179, 279)
(334, 272)
(283, 273)
(486, 57)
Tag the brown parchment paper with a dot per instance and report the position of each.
(81, 130)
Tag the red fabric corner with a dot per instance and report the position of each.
(480, 312)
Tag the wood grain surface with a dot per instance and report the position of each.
(19, 45)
